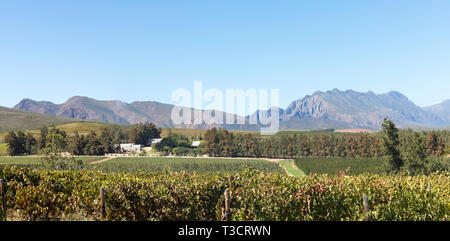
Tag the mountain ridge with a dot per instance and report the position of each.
(323, 109)
(441, 109)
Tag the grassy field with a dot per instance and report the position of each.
(290, 168)
(186, 132)
(32, 161)
(83, 127)
(156, 164)
(198, 165)
(12, 119)
(331, 165)
(3, 149)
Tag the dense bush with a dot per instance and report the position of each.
(183, 151)
(43, 195)
(176, 143)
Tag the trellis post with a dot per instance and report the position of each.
(3, 196)
(227, 205)
(102, 200)
(366, 206)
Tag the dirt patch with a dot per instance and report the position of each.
(103, 160)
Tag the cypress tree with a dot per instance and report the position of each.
(391, 146)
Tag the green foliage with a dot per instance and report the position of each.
(174, 141)
(333, 166)
(111, 137)
(30, 161)
(93, 145)
(190, 165)
(15, 146)
(413, 153)
(142, 134)
(53, 161)
(52, 158)
(220, 142)
(391, 146)
(291, 168)
(55, 141)
(43, 137)
(19, 144)
(183, 151)
(301, 144)
(3, 149)
(437, 164)
(50, 195)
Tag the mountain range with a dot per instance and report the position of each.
(330, 109)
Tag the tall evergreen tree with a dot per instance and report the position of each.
(13, 144)
(30, 147)
(414, 154)
(142, 134)
(431, 143)
(42, 137)
(391, 146)
(304, 149)
(211, 142)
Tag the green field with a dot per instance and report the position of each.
(83, 127)
(12, 119)
(33, 161)
(198, 165)
(332, 165)
(155, 164)
(3, 149)
(291, 169)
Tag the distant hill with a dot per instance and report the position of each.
(12, 119)
(442, 110)
(114, 111)
(331, 109)
(351, 109)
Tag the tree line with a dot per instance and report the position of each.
(221, 142)
(53, 139)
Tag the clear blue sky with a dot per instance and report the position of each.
(143, 50)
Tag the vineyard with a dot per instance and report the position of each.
(199, 165)
(331, 166)
(75, 195)
(33, 161)
(154, 164)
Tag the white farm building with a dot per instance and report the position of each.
(129, 147)
(195, 143)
